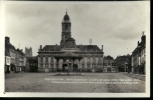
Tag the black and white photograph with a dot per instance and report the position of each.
(75, 49)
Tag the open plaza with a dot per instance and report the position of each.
(58, 58)
(84, 83)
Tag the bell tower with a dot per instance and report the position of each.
(66, 29)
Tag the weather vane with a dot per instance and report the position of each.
(90, 41)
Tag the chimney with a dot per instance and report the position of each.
(102, 48)
(138, 43)
(7, 39)
(40, 46)
(143, 33)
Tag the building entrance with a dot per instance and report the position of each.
(64, 67)
(75, 67)
(108, 69)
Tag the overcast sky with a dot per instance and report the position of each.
(116, 25)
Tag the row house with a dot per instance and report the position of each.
(122, 63)
(138, 57)
(14, 58)
(20, 61)
(10, 56)
(109, 65)
(32, 64)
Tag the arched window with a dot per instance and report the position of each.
(99, 60)
(66, 26)
(94, 60)
(88, 60)
(83, 66)
(41, 59)
(83, 61)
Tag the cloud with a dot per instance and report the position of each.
(117, 26)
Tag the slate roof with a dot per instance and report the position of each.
(52, 48)
(21, 53)
(122, 58)
(88, 47)
(8, 46)
(81, 47)
(68, 54)
(108, 58)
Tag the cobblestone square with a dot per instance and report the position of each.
(87, 83)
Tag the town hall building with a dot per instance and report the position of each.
(53, 58)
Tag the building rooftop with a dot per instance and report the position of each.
(81, 47)
(108, 58)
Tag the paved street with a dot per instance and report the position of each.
(88, 82)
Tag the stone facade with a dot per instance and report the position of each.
(10, 56)
(138, 57)
(32, 64)
(20, 61)
(15, 60)
(122, 63)
(28, 52)
(109, 65)
(92, 55)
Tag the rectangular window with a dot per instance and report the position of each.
(52, 66)
(41, 65)
(99, 66)
(88, 66)
(93, 66)
(46, 65)
(46, 59)
(41, 59)
(83, 66)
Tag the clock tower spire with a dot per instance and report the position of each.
(66, 29)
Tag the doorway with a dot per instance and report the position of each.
(75, 67)
(108, 69)
(64, 67)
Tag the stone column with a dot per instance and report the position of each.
(85, 59)
(62, 63)
(20, 69)
(91, 63)
(43, 62)
(79, 64)
(96, 65)
(54, 60)
(49, 60)
(38, 62)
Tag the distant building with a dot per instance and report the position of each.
(121, 63)
(138, 58)
(109, 65)
(129, 64)
(10, 56)
(28, 52)
(20, 60)
(15, 60)
(81, 57)
(32, 64)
